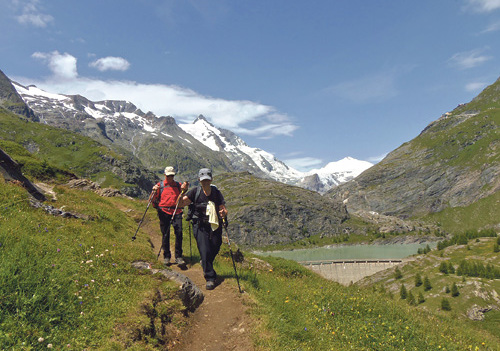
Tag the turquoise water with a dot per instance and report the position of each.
(350, 252)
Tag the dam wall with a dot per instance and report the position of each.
(346, 272)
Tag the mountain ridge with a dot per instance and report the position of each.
(122, 125)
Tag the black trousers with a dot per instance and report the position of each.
(209, 243)
(165, 221)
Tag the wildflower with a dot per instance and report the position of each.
(117, 280)
(92, 280)
(58, 250)
(40, 339)
(49, 346)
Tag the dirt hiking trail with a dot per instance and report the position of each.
(221, 322)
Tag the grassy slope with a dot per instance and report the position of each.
(60, 149)
(69, 281)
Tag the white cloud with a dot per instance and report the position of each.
(475, 86)
(304, 164)
(110, 63)
(63, 66)
(239, 116)
(469, 59)
(483, 5)
(32, 15)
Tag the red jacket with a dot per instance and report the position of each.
(169, 196)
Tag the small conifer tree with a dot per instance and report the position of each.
(397, 273)
(427, 284)
(447, 289)
(411, 299)
(418, 280)
(445, 305)
(421, 298)
(451, 268)
(454, 290)
(443, 267)
(402, 292)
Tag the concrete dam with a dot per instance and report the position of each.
(347, 271)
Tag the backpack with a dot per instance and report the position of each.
(156, 199)
(192, 205)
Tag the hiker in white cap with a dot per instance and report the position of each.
(207, 209)
(167, 198)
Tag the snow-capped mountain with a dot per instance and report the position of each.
(264, 163)
(333, 174)
(158, 141)
(242, 156)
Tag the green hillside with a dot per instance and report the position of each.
(70, 152)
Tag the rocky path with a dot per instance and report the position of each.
(221, 322)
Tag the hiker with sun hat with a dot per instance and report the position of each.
(166, 200)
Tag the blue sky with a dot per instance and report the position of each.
(310, 81)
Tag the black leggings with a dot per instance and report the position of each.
(209, 244)
(165, 220)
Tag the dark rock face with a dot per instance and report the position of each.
(264, 212)
(11, 101)
(11, 171)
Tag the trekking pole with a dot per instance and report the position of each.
(190, 252)
(231, 252)
(144, 215)
(171, 220)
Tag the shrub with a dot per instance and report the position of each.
(454, 290)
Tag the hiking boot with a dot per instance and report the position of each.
(180, 261)
(210, 285)
(166, 261)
